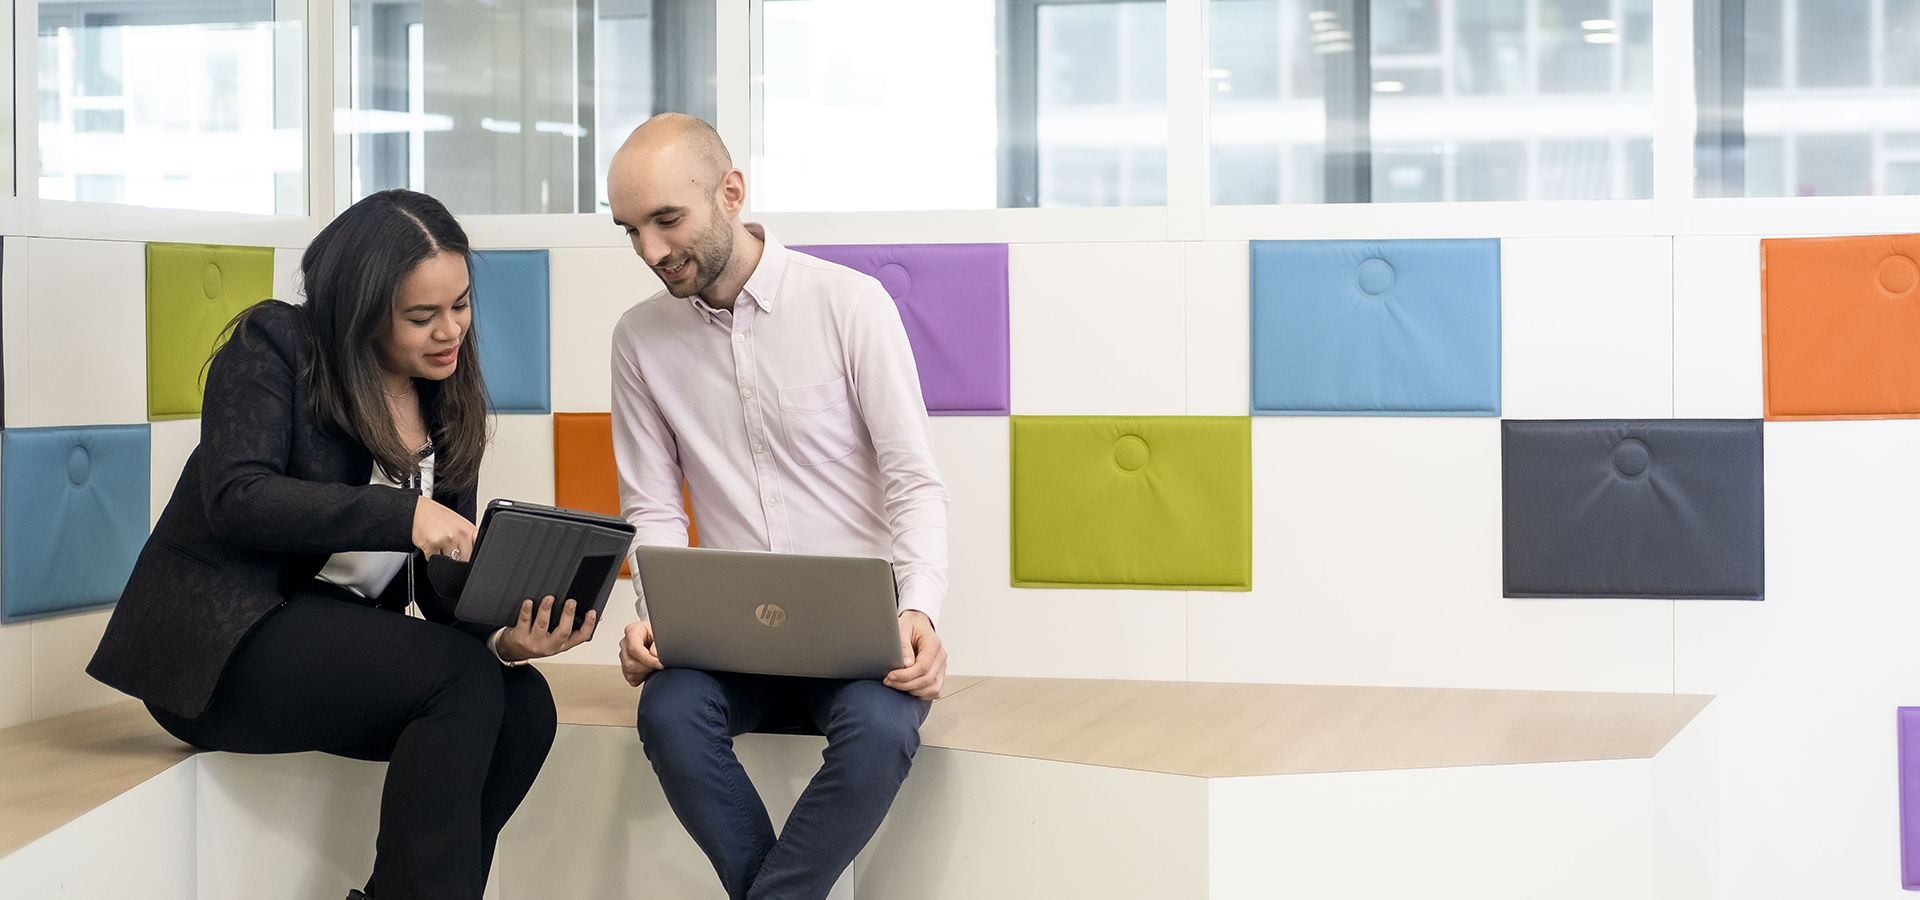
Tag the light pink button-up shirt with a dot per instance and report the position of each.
(795, 418)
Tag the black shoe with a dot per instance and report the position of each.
(356, 895)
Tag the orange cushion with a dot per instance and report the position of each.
(1841, 318)
(584, 475)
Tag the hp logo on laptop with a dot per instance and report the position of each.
(770, 615)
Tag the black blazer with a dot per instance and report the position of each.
(268, 495)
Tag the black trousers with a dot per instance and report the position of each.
(463, 735)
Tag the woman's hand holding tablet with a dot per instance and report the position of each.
(530, 638)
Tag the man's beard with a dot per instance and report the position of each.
(711, 253)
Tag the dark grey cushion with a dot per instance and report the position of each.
(1663, 508)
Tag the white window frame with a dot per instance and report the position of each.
(25, 213)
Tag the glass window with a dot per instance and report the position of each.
(1831, 43)
(1830, 165)
(1766, 170)
(1431, 100)
(189, 104)
(881, 105)
(1805, 98)
(1102, 106)
(1901, 43)
(515, 106)
(1492, 170)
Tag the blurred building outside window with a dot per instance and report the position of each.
(1317, 101)
(515, 106)
(961, 104)
(189, 104)
(1807, 98)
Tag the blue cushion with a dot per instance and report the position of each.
(510, 290)
(1660, 508)
(1376, 327)
(73, 516)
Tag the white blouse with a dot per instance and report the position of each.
(368, 572)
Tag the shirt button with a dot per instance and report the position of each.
(759, 447)
(747, 393)
(739, 338)
(773, 501)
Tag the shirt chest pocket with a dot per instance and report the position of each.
(819, 422)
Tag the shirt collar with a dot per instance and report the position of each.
(765, 280)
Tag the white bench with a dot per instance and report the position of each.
(1023, 788)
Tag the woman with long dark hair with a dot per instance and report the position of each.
(340, 446)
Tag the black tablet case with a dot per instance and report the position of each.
(527, 551)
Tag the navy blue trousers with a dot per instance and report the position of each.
(688, 719)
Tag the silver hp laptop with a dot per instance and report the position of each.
(771, 613)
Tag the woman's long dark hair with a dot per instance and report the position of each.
(352, 273)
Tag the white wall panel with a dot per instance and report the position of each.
(16, 674)
(592, 289)
(1569, 831)
(173, 442)
(1098, 329)
(1587, 327)
(286, 275)
(992, 628)
(1377, 560)
(1716, 327)
(1809, 678)
(137, 845)
(62, 647)
(86, 333)
(287, 826)
(14, 333)
(519, 462)
(1218, 329)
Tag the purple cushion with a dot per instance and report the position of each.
(953, 299)
(1909, 751)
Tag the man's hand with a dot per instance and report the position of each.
(530, 639)
(637, 660)
(925, 674)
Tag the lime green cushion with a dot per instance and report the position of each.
(1156, 502)
(193, 291)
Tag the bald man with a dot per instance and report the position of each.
(782, 389)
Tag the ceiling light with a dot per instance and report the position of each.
(1597, 24)
(1389, 87)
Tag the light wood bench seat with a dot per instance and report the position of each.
(1213, 730)
(55, 770)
